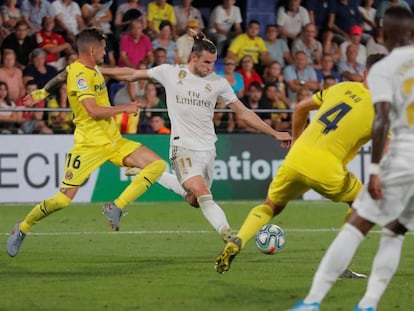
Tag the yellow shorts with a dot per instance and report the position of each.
(289, 184)
(82, 160)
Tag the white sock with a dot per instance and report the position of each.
(384, 266)
(170, 182)
(334, 262)
(212, 212)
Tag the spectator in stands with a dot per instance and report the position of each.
(301, 94)
(375, 45)
(327, 70)
(330, 46)
(250, 43)
(278, 48)
(70, 58)
(94, 16)
(32, 122)
(12, 75)
(184, 13)
(224, 24)
(128, 11)
(253, 99)
(158, 11)
(345, 16)
(234, 78)
(278, 100)
(21, 43)
(132, 91)
(7, 118)
(300, 74)
(135, 47)
(291, 17)
(160, 57)
(185, 42)
(60, 121)
(368, 13)
(350, 69)
(319, 12)
(10, 15)
(273, 74)
(52, 43)
(37, 69)
(33, 12)
(151, 100)
(355, 34)
(328, 81)
(385, 4)
(165, 40)
(248, 72)
(68, 18)
(110, 57)
(223, 121)
(158, 124)
(308, 43)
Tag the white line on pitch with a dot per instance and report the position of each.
(142, 232)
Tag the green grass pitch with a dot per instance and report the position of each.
(163, 259)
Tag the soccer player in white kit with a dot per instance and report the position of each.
(192, 92)
(388, 198)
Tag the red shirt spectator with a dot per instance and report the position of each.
(135, 47)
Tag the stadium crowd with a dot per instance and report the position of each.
(312, 45)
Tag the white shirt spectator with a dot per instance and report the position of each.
(69, 14)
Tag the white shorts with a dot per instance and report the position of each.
(189, 163)
(397, 180)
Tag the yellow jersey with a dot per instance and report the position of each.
(156, 14)
(340, 127)
(85, 82)
(244, 45)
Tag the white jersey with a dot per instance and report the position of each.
(392, 80)
(190, 102)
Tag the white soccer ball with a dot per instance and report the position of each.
(270, 239)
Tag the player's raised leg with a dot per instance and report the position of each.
(152, 166)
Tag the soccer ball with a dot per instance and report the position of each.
(270, 239)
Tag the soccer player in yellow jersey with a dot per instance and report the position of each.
(340, 127)
(96, 140)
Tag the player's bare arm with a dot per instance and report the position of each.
(99, 112)
(253, 120)
(124, 73)
(50, 86)
(300, 116)
(380, 132)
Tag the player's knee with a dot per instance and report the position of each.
(154, 170)
(276, 208)
(192, 200)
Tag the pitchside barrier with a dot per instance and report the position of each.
(31, 168)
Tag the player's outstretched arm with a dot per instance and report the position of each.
(50, 86)
(253, 120)
(300, 116)
(124, 73)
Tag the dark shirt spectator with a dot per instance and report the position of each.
(346, 15)
(21, 43)
(38, 69)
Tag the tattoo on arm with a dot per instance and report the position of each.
(56, 82)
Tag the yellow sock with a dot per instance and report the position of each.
(44, 209)
(146, 177)
(257, 218)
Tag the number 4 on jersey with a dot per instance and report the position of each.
(331, 117)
